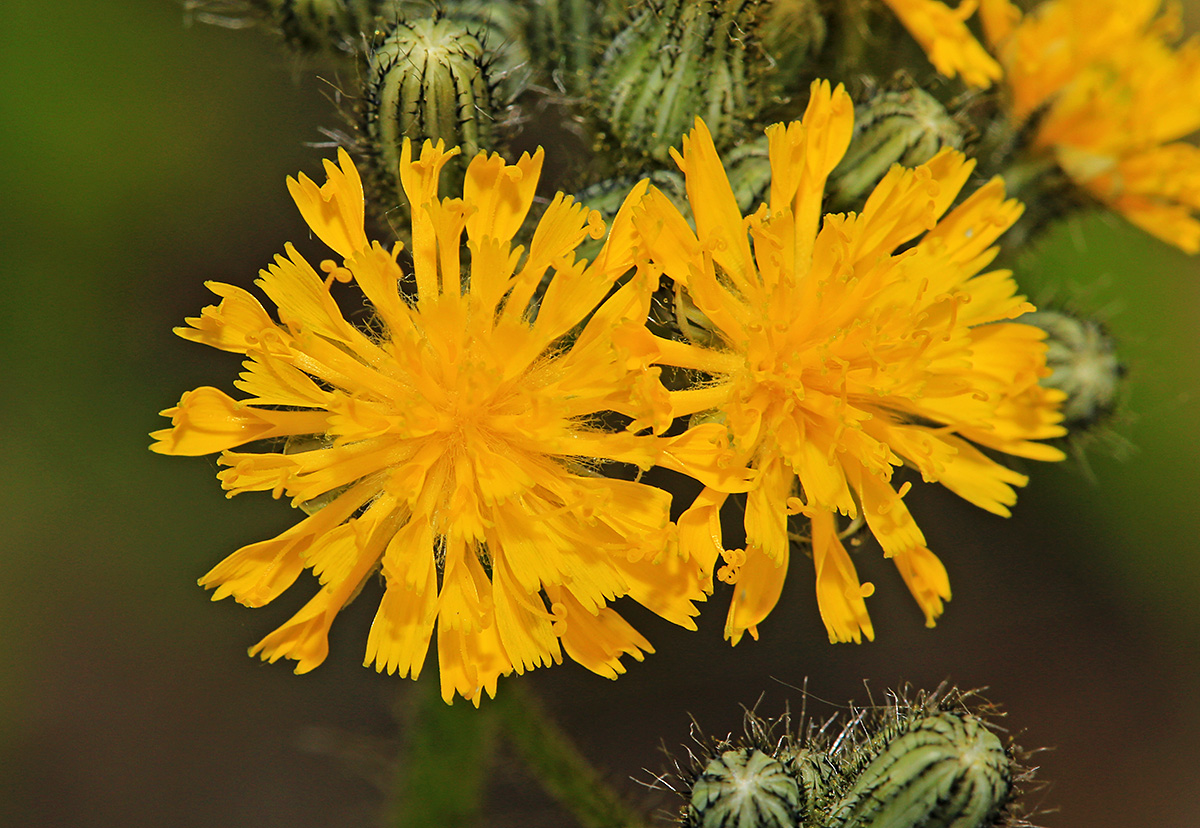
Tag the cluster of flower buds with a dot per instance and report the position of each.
(927, 762)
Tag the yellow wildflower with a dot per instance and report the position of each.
(942, 32)
(1109, 97)
(453, 441)
(837, 359)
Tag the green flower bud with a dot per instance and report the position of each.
(793, 32)
(307, 26)
(320, 24)
(676, 60)
(935, 770)
(817, 776)
(905, 126)
(429, 79)
(1082, 357)
(744, 788)
(565, 36)
(500, 26)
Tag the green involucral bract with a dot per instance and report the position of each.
(744, 789)
(428, 80)
(942, 770)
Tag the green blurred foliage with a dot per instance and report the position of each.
(1144, 500)
(141, 156)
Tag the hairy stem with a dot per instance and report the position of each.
(558, 765)
(443, 767)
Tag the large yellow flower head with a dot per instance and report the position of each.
(1109, 97)
(943, 34)
(834, 359)
(453, 441)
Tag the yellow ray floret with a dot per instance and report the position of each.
(453, 444)
(1111, 98)
(943, 34)
(833, 359)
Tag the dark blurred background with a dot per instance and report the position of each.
(142, 157)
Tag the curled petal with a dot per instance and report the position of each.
(839, 593)
(759, 582)
(596, 640)
(471, 662)
(927, 580)
(944, 36)
(207, 420)
(335, 210)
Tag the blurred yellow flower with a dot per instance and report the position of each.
(834, 359)
(942, 32)
(453, 441)
(1108, 95)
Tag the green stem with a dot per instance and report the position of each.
(558, 765)
(443, 767)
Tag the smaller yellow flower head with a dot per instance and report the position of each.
(943, 34)
(1116, 98)
(453, 442)
(837, 359)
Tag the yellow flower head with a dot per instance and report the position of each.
(837, 359)
(453, 441)
(943, 34)
(1116, 98)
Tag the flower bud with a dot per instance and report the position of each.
(935, 770)
(747, 164)
(320, 24)
(905, 126)
(817, 776)
(793, 32)
(500, 26)
(429, 79)
(565, 38)
(744, 788)
(1082, 357)
(307, 26)
(674, 61)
